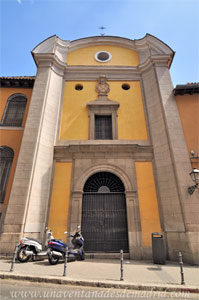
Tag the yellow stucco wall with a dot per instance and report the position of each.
(131, 117)
(9, 136)
(120, 56)
(75, 115)
(150, 221)
(60, 199)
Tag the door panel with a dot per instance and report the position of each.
(104, 223)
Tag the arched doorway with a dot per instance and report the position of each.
(104, 220)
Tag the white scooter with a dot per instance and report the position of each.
(29, 247)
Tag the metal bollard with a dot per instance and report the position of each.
(66, 254)
(181, 268)
(121, 263)
(14, 257)
(65, 261)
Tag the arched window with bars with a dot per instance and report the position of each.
(14, 111)
(6, 159)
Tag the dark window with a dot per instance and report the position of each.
(103, 56)
(14, 111)
(79, 87)
(103, 182)
(125, 86)
(103, 128)
(6, 158)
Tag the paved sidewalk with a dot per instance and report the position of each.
(143, 275)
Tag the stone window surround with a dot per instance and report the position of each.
(7, 157)
(8, 107)
(103, 107)
(101, 60)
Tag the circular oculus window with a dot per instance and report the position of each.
(103, 56)
(125, 86)
(79, 87)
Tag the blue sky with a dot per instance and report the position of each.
(25, 23)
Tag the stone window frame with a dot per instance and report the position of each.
(103, 132)
(103, 108)
(16, 110)
(100, 60)
(6, 159)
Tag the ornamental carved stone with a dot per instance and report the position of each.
(102, 88)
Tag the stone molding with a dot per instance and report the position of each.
(148, 41)
(53, 45)
(79, 184)
(53, 51)
(115, 72)
(140, 153)
(103, 106)
(83, 170)
(50, 61)
(93, 72)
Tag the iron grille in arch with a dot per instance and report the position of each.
(103, 182)
(14, 111)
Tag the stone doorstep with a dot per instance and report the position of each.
(102, 284)
(101, 255)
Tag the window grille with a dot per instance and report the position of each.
(103, 127)
(14, 111)
(6, 158)
(103, 182)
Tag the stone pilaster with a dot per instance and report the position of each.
(27, 208)
(169, 198)
(171, 160)
(187, 242)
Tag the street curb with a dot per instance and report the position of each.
(102, 284)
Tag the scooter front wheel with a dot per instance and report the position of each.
(22, 256)
(53, 260)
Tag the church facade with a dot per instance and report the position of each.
(102, 141)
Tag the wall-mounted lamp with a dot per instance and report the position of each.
(195, 177)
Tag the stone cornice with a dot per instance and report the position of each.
(115, 72)
(156, 60)
(148, 41)
(105, 40)
(103, 101)
(133, 151)
(93, 72)
(66, 143)
(50, 61)
(53, 52)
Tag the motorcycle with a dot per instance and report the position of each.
(57, 248)
(29, 247)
